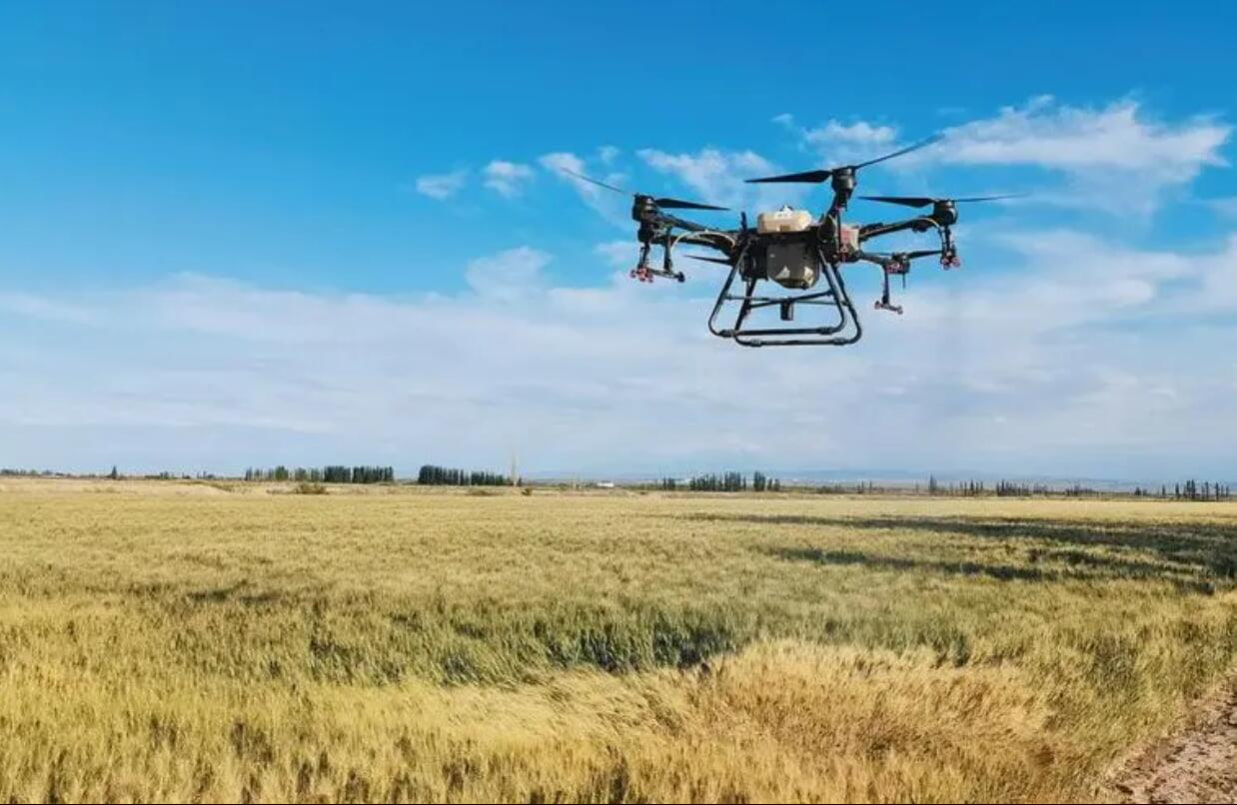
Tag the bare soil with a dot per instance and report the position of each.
(1198, 764)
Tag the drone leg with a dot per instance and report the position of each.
(641, 271)
(746, 308)
(949, 252)
(846, 330)
(667, 265)
(723, 294)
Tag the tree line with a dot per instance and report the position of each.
(726, 482)
(445, 476)
(331, 474)
(1190, 490)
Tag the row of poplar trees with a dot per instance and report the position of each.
(446, 476)
(333, 474)
(727, 482)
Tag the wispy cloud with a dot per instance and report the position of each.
(838, 143)
(619, 254)
(718, 177)
(612, 206)
(1119, 136)
(859, 132)
(442, 186)
(508, 275)
(1032, 368)
(30, 305)
(507, 178)
(1116, 157)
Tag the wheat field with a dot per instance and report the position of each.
(228, 642)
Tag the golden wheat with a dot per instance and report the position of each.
(190, 642)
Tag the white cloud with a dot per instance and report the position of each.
(24, 304)
(619, 254)
(858, 133)
(1063, 362)
(507, 275)
(1119, 136)
(837, 143)
(564, 163)
(1116, 157)
(442, 185)
(717, 177)
(607, 154)
(507, 178)
(614, 207)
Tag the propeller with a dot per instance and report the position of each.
(664, 203)
(924, 201)
(819, 176)
(721, 261)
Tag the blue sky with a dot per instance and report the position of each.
(305, 233)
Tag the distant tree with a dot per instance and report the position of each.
(431, 474)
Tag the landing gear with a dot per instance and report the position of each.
(645, 273)
(845, 329)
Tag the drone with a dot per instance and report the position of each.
(795, 252)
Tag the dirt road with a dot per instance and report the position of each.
(1197, 765)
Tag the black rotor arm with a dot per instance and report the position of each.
(920, 223)
(897, 263)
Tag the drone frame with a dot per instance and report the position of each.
(826, 239)
(847, 329)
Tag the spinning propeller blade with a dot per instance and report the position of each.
(905, 201)
(991, 198)
(676, 204)
(925, 201)
(721, 261)
(818, 176)
(807, 177)
(597, 182)
(935, 138)
(667, 203)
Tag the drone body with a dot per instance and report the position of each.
(799, 255)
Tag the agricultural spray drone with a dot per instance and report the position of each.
(793, 251)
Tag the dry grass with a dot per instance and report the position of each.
(184, 642)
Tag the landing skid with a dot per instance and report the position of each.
(843, 330)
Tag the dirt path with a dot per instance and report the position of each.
(1197, 765)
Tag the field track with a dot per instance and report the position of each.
(1199, 764)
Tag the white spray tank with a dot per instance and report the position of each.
(792, 263)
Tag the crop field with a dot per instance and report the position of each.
(195, 642)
